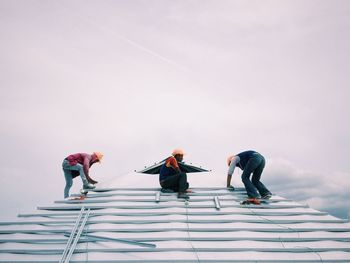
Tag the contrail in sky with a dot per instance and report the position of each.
(133, 43)
(129, 41)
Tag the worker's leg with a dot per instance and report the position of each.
(171, 182)
(177, 182)
(77, 167)
(69, 182)
(69, 179)
(183, 184)
(257, 175)
(249, 168)
(82, 174)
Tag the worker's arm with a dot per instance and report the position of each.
(86, 167)
(173, 164)
(229, 181)
(231, 169)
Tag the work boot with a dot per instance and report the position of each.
(183, 195)
(230, 188)
(266, 196)
(89, 186)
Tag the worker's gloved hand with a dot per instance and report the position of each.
(230, 188)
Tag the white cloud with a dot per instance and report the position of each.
(328, 192)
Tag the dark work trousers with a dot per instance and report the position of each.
(254, 166)
(177, 182)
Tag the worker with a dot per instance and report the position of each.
(78, 165)
(171, 177)
(251, 162)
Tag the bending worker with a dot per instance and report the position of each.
(79, 164)
(250, 162)
(170, 175)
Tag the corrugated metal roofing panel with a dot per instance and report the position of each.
(130, 225)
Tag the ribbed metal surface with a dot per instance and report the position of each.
(145, 225)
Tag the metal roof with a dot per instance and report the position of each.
(145, 225)
(184, 167)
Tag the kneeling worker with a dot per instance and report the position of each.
(171, 177)
(79, 164)
(250, 162)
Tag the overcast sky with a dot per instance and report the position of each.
(135, 79)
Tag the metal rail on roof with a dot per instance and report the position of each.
(217, 202)
(93, 207)
(193, 221)
(163, 194)
(132, 242)
(237, 189)
(209, 213)
(280, 229)
(178, 249)
(85, 238)
(157, 197)
(220, 261)
(196, 261)
(137, 240)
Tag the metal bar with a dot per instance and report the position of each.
(170, 249)
(157, 197)
(196, 261)
(158, 189)
(93, 207)
(180, 229)
(89, 195)
(132, 242)
(217, 202)
(219, 261)
(212, 213)
(194, 221)
(77, 222)
(71, 251)
(90, 238)
(163, 194)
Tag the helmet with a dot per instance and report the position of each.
(177, 151)
(99, 156)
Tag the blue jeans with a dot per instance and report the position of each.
(67, 168)
(256, 166)
(177, 182)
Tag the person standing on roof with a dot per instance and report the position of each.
(79, 164)
(251, 162)
(170, 175)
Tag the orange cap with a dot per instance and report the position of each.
(177, 151)
(99, 156)
(229, 159)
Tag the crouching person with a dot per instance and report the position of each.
(252, 163)
(78, 165)
(171, 177)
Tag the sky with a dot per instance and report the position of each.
(136, 79)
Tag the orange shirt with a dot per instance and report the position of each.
(171, 162)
